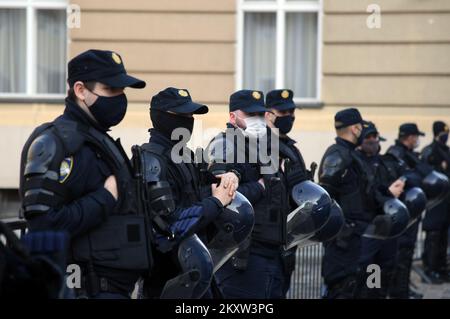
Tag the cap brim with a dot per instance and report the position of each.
(371, 131)
(123, 80)
(190, 107)
(255, 108)
(414, 133)
(381, 138)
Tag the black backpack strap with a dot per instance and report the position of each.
(71, 134)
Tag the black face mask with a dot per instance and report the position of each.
(284, 123)
(166, 123)
(370, 148)
(109, 111)
(443, 138)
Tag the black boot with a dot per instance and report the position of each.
(444, 271)
(345, 288)
(432, 257)
(400, 283)
(435, 277)
(386, 282)
(445, 275)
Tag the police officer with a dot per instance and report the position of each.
(343, 177)
(256, 271)
(281, 115)
(378, 251)
(437, 219)
(76, 178)
(172, 173)
(403, 152)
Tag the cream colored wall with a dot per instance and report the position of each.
(189, 44)
(398, 73)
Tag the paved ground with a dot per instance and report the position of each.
(436, 291)
(430, 291)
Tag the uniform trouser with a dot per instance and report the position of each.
(382, 253)
(262, 279)
(288, 258)
(400, 281)
(436, 224)
(109, 295)
(286, 282)
(435, 250)
(340, 268)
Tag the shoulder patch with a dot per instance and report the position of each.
(65, 169)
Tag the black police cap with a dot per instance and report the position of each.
(439, 127)
(177, 101)
(370, 128)
(248, 101)
(347, 117)
(282, 100)
(101, 66)
(407, 129)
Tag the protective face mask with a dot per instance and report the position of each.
(370, 148)
(284, 123)
(166, 122)
(255, 126)
(109, 111)
(416, 145)
(443, 138)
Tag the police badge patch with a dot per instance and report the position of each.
(65, 169)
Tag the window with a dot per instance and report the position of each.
(279, 46)
(33, 46)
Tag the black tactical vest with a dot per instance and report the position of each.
(123, 240)
(271, 212)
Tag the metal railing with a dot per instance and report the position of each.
(418, 250)
(306, 281)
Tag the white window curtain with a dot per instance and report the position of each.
(13, 51)
(301, 54)
(259, 51)
(51, 51)
(266, 66)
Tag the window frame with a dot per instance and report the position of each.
(31, 7)
(280, 8)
